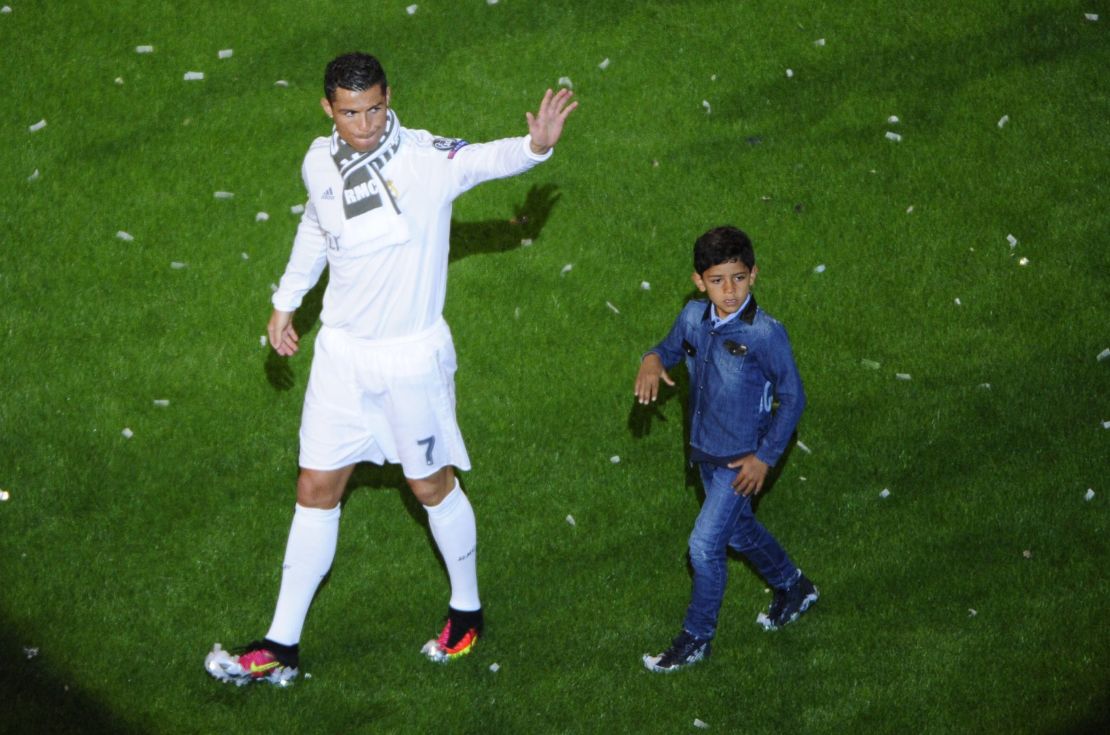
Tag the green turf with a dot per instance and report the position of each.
(123, 560)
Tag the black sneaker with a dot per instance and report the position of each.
(685, 650)
(789, 604)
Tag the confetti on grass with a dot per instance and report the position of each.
(645, 285)
(789, 73)
(125, 236)
(194, 76)
(6, 9)
(4, 496)
(297, 209)
(177, 265)
(707, 106)
(1028, 554)
(161, 402)
(144, 49)
(411, 10)
(893, 136)
(869, 364)
(604, 64)
(1003, 120)
(224, 195)
(819, 42)
(565, 82)
(903, 376)
(1104, 355)
(893, 120)
(281, 83)
(566, 269)
(261, 217)
(37, 126)
(35, 175)
(30, 653)
(1023, 262)
(1093, 17)
(262, 341)
(884, 494)
(700, 725)
(225, 53)
(1012, 240)
(819, 269)
(494, 667)
(1090, 495)
(612, 308)
(972, 612)
(615, 459)
(127, 433)
(570, 521)
(804, 448)
(526, 242)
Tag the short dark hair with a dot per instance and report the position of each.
(356, 71)
(725, 244)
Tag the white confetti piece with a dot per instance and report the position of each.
(224, 195)
(177, 265)
(1106, 424)
(1104, 355)
(273, 287)
(707, 106)
(789, 73)
(1012, 240)
(35, 175)
(802, 478)
(297, 209)
(615, 459)
(262, 341)
(1028, 554)
(804, 448)
(819, 42)
(893, 120)
(655, 163)
(1023, 262)
(411, 10)
(225, 53)
(972, 612)
(985, 386)
(5, 496)
(494, 667)
(612, 308)
(261, 217)
(125, 236)
(565, 82)
(869, 364)
(526, 242)
(6, 9)
(145, 49)
(958, 303)
(885, 493)
(645, 285)
(1003, 120)
(700, 725)
(127, 433)
(713, 78)
(307, 675)
(30, 653)
(492, 2)
(194, 76)
(1089, 496)
(161, 402)
(566, 269)
(903, 376)
(37, 126)
(516, 313)
(909, 209)
(570, 521)
(281, 83)
(119, 81)
(244, 256)
(893, 136)
(820, 268)
(1093, 17)
(604, 64)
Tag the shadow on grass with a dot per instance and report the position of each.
(38, 700)
(467, 238)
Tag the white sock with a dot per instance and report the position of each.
(456, 534)
(308, 557)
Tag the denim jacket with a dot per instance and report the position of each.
(736, 371)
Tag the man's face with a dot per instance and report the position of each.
(728, 285)
(359, 116)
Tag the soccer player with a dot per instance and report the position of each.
(381, 388)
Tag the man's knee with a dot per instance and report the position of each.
(431, 490)
(321, 488)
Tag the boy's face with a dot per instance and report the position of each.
(727, 284)
(360, 117)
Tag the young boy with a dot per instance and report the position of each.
(739, 360)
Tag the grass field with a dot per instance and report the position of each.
(967, 601)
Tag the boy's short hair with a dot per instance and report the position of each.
(357, 72)
(726, 244)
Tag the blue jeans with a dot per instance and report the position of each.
(726, 520)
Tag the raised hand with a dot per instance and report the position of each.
(546, 125)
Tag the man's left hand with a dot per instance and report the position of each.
(546, 126)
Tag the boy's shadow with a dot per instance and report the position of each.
(467, 238)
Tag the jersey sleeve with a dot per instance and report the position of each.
(474, 163)
(307, 261)
(783, 373)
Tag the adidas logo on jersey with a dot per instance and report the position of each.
(328, 194)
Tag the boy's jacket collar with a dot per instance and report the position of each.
(748, 314)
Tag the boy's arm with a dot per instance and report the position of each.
(783, 372)
(653, 365)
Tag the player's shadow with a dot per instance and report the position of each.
(467, 238)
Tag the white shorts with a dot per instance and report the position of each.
(389, 400)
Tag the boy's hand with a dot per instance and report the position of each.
(283, 337)
(753, 471)
(647, 380)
